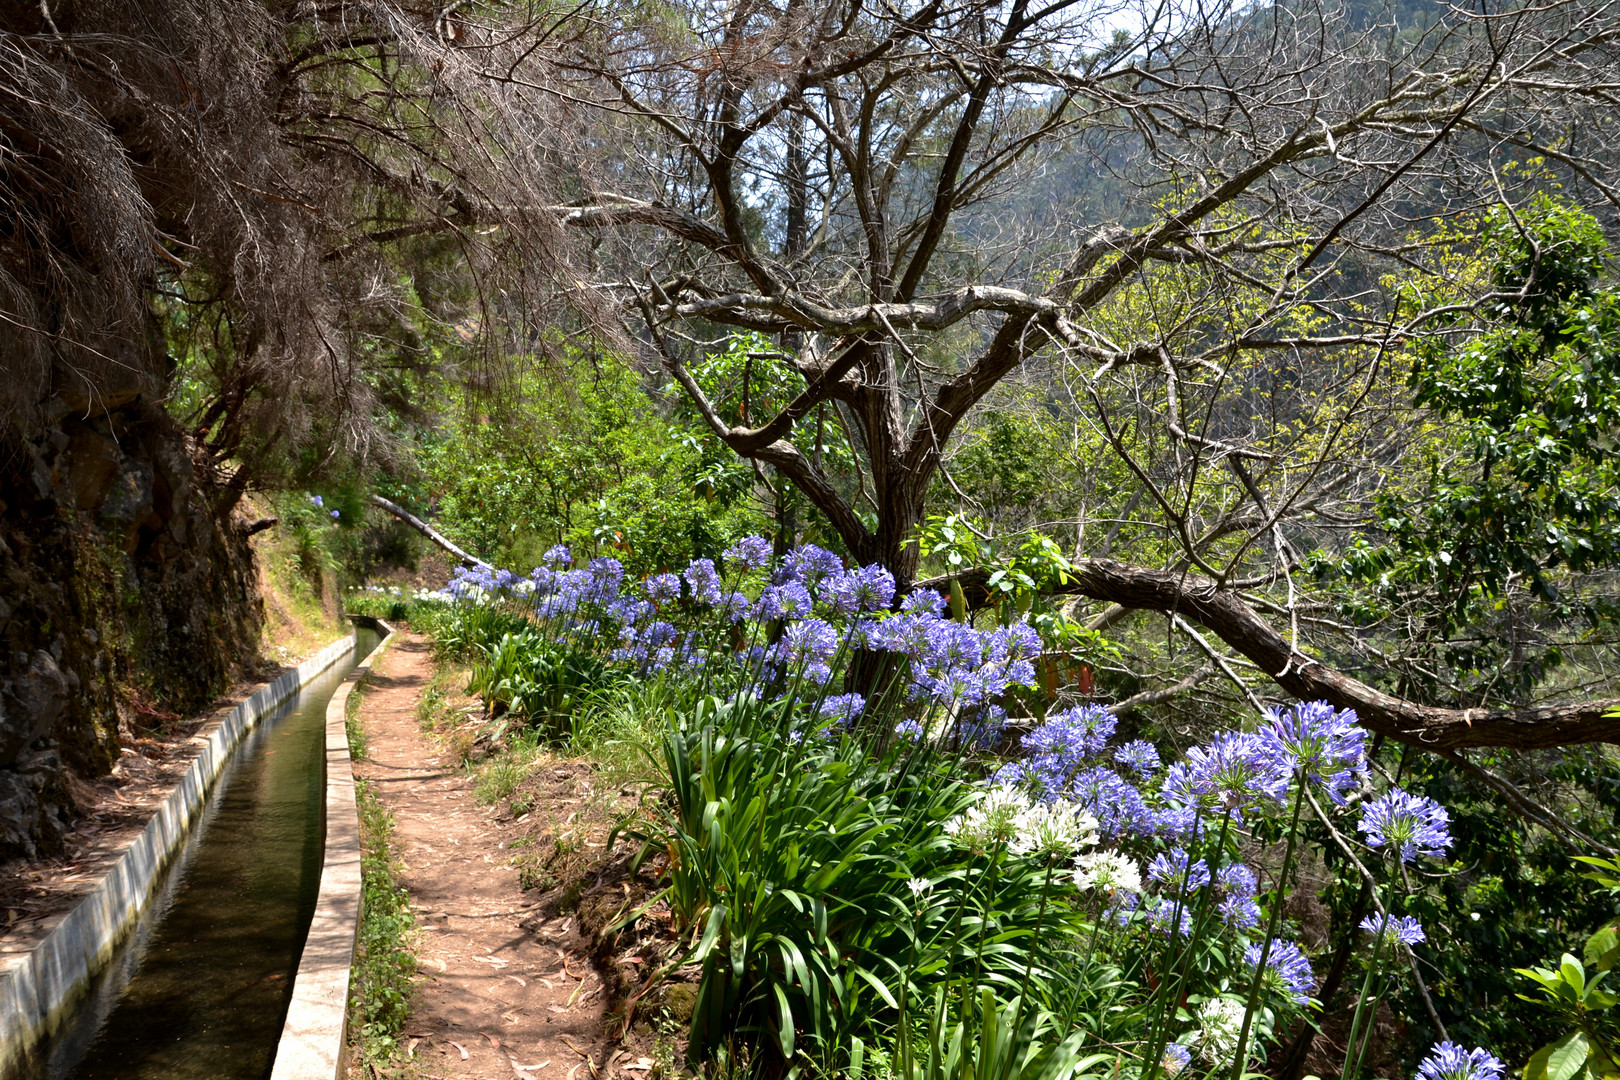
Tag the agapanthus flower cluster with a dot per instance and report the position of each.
(798, 621)
(862, 590)
(1107, 872)
(1177, 873)
(842, 708)
(1004, 816)
(1057, 750)
(1220, 1026)
(1238, 887)
(1233, 771)
(1402, 928)
(809, 565)
(1174, 1060)
(1406, 825)
(1324, 745)
(1119, 808)
(1137, 756)
(1288, 971)
(1448, 1061)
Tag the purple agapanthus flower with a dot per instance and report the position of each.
(1238, 885)
(558, 555)
(909, 729)
(1072, 735)
(810, 565)
(952, 645)
(1324, 745)
(1288, 965)
(601, 581)
(1174, 1060)
(842, 708)
(1235, 770)
(1407, 930)
(704, 580)
(1175, 871)
(1137, 756)
(663, 587)
(1406, 825)
(336, 514)
(960, 686)
(749, 553)
(659, 633)
(1171, 917)
(808, 645)
(1118, 807)
(1177, 822)
(1448, 1061)
(869, 588)
(316, 501)
(1016, 641)
(629, 611)
(923, 602)
(787, 601)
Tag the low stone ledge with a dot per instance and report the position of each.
(314, 1037)
(38, 988)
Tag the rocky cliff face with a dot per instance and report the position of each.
(122, 599)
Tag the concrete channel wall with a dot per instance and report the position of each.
(314, 1035)
(39, 988)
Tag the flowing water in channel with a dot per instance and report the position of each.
(200, 990)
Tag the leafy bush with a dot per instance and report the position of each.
(820, 889)
(525, 676)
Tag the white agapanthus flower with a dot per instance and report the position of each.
(1107, 872)
(920, 887)
(1055, 828)
(993, 820)
(1220, 1022)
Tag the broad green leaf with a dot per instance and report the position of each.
(1567, 1056)
(1573, 974)
(711, 932)
(785, 1031)
(1603, 948)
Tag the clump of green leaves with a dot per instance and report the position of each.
(1528, 408)
(1580, 1001)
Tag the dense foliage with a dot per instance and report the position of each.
(872, 875)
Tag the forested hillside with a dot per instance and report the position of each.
(1177, 438)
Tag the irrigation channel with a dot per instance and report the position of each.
(200, 989)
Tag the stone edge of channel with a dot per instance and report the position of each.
(316, 1030)
(39, 988)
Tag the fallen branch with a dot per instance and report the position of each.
(429, 531)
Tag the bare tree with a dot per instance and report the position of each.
(853, 181)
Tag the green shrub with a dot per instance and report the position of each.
(523, 675)
(789, 864)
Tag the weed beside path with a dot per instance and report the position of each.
(503, 990)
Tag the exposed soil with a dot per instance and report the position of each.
(510, 984)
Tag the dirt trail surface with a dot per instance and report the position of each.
(505, 991)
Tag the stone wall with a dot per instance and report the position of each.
(123, 599)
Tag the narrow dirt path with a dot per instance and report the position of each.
(505, 992)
